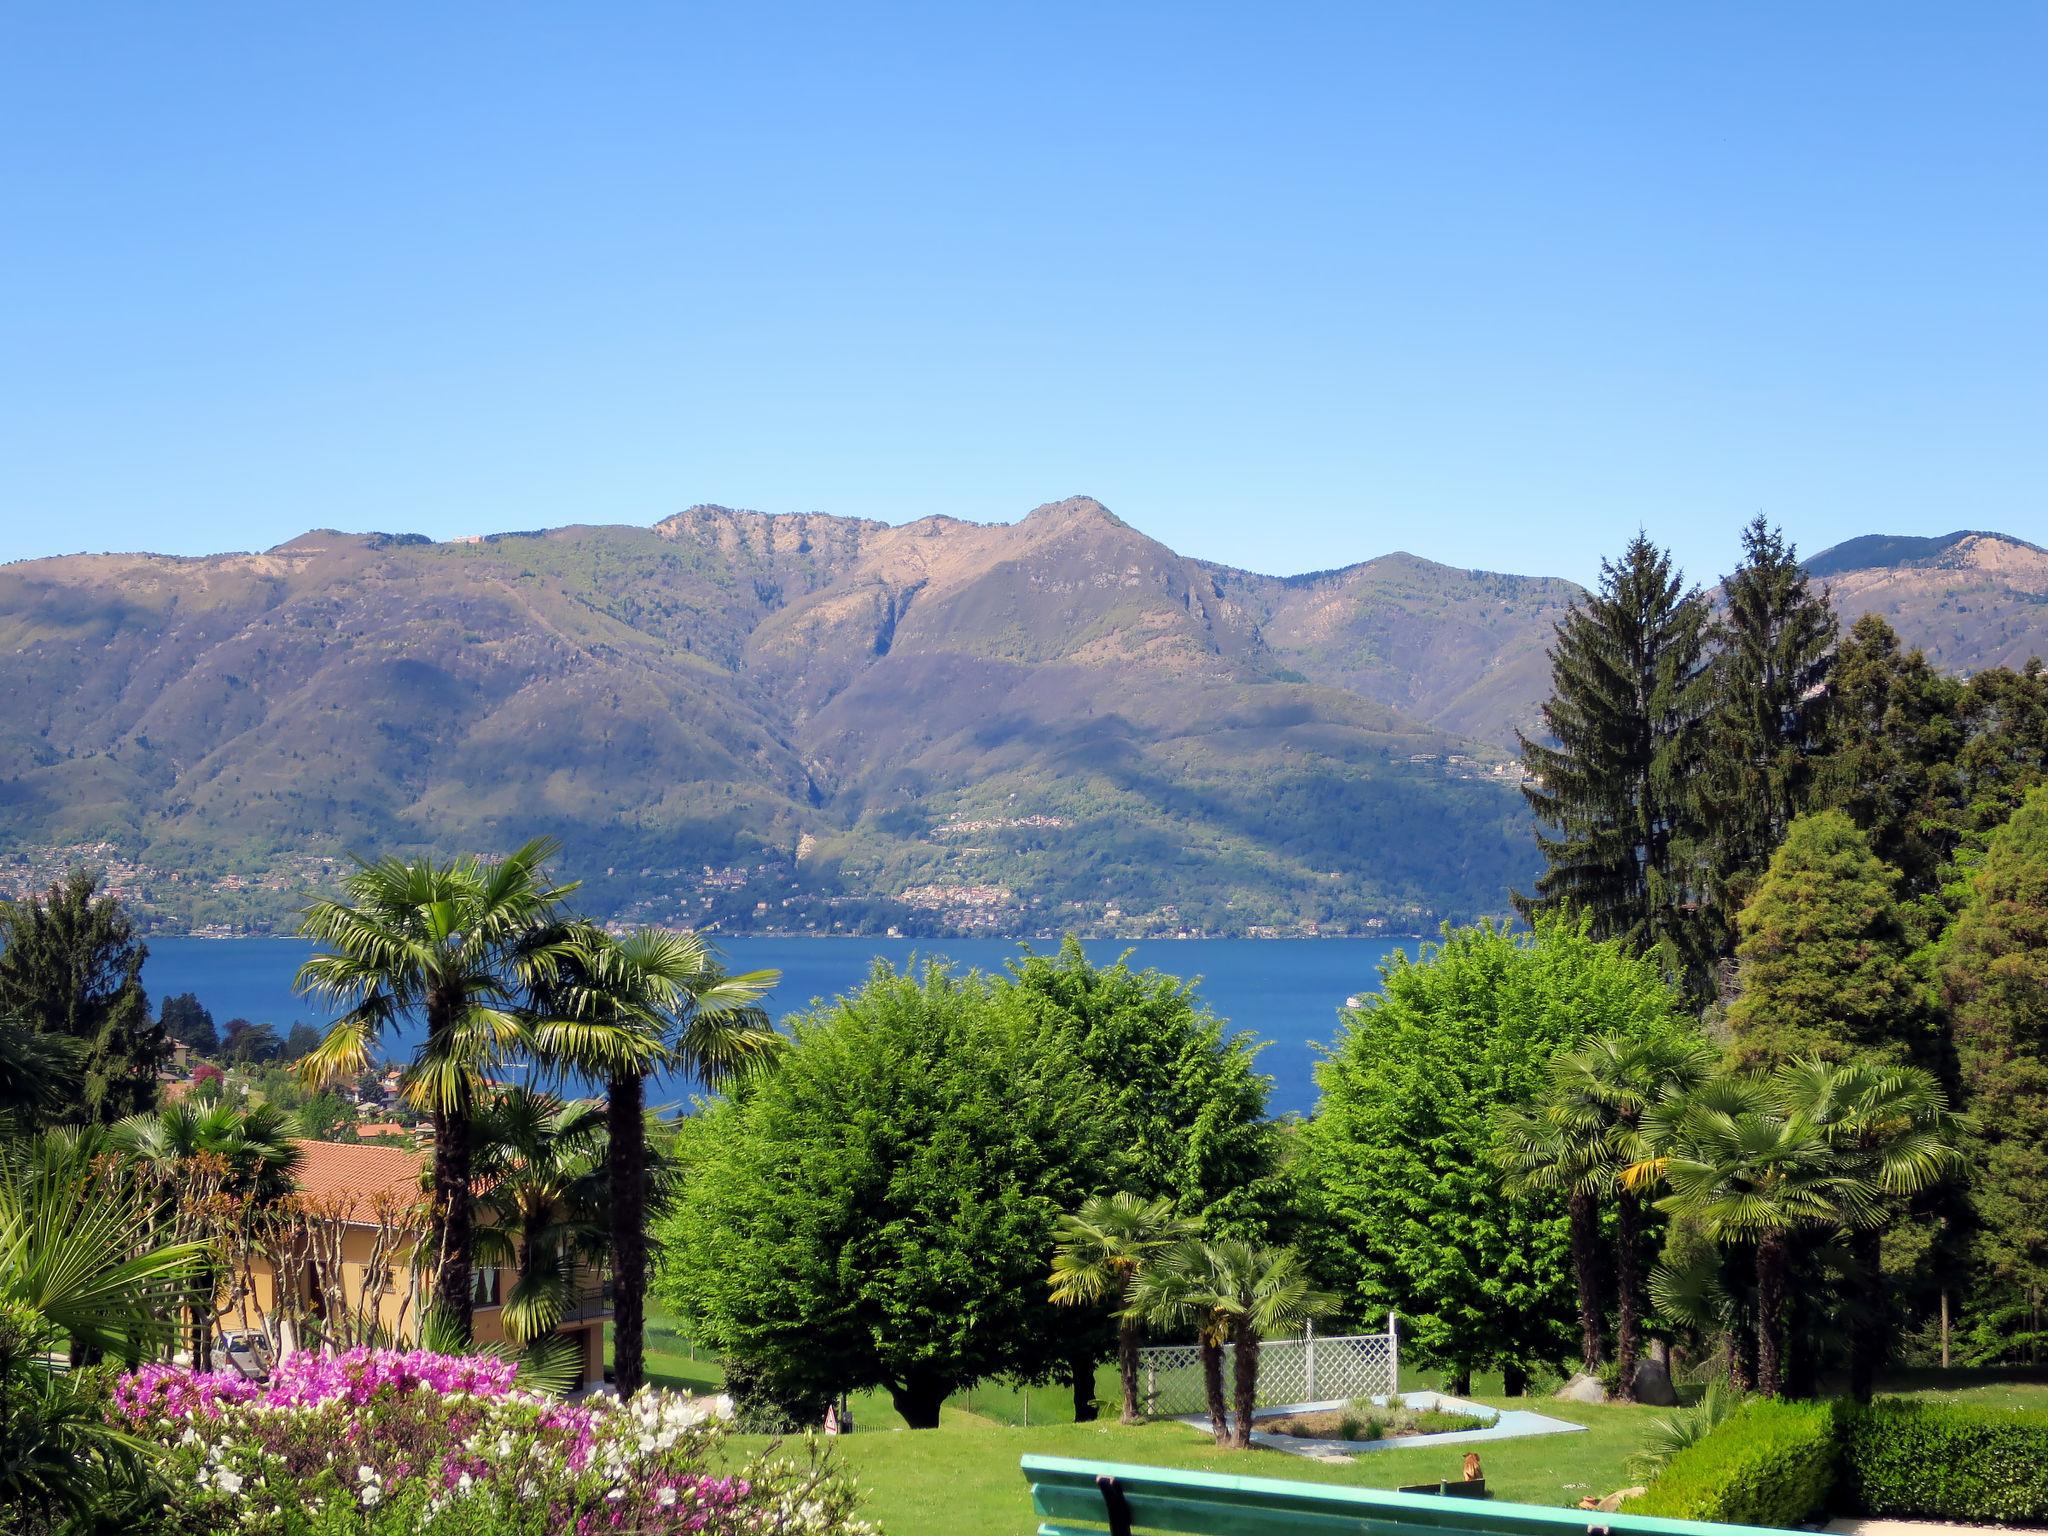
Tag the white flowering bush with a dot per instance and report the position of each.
(370, 1444)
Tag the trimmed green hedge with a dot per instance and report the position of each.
(1945, 1461)
(1768, 1463)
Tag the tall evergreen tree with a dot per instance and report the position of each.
(1764, 700)
(1895, 727)
(72, 966)
(1621, 669)
(1994, 979)
(190, 1022)
(2006, 714)
(1822, 967)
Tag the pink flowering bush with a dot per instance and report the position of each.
(379, 1443)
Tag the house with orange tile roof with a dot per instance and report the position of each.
(352, 1261)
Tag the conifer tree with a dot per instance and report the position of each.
(1822, 968)
(1621, 668)
(72, 966)
(1994, 980)
(1895, 726)
(1764, 699)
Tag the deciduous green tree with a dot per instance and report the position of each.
(1610, 781)
(878, 1210)
(1822, 964)
(1398, 1169)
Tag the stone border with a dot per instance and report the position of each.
(1508, 1424)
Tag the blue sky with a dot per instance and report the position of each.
(1285, 285)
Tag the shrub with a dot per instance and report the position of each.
(376, 1443)
(1769, 1463)
(1946, 1461)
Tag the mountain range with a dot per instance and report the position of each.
(813, 723)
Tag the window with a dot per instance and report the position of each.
(483, 1291)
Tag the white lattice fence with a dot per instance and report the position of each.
(1305, 1370)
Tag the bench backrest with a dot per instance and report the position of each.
(1083, 1498)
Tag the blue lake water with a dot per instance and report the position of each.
(1284, 991)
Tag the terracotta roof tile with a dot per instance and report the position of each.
(332, 1173)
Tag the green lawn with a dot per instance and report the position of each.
(963, 1475)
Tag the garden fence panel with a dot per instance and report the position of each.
(1310, 1369)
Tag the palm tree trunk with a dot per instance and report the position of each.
(1585, 1242)
(1773, 1256)
(1866, 1340)
(1127, 1365)
(1246, 1381)
(1212, 1387)
(628, 1165)
(454, 1213)
(1628, 1328)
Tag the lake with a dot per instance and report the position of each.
(1285, 991)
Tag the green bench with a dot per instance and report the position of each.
(1085, 1498)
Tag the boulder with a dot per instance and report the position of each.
(1653, 1384)
(1582, 1389)
(1614, 1500)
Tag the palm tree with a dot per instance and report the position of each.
(454, 947)
(618, 1008)
(1585, 1135)
(1894, 1125)
(1233, 1294)
(1101, 1251)
(1179, 1290)
(1554, 1146)
(200, 1149)
(1748, 1167)
(42, 1074)
(1271, 1294)
(540, 1162)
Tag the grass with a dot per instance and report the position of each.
(963, 1475)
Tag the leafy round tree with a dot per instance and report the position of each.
(1822, 967)
(1182, 1101)
(1399, 1168)
(879, 1210)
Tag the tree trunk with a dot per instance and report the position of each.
(1245, 1379)
(626, 1123)
(1514, 1379)
(1212, 1388)
(919, 1402)
(1459, 1382)
(1081, 1368)
(1742, 1359)
(1773, 1255)
(1585, 1242)
(1127, 1365)
(454, 1213)
(1628, 1329)
(1866, 1341)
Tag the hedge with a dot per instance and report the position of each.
(1768, 1463)
(1945, 1461)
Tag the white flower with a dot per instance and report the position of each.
(230, 1482)
(666, 1497)
(370, 1495)
(366, 1474)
